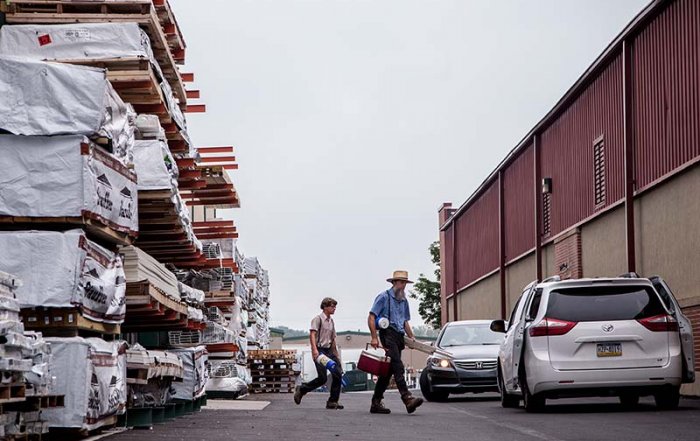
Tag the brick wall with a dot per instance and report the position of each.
(567, 256)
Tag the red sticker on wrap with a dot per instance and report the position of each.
(44, 40)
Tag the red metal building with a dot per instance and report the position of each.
(606, 182)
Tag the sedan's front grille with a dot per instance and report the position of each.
(476, 365)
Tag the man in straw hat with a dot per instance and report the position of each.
(322, 336)
(389, 316)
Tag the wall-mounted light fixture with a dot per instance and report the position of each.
(546, 185)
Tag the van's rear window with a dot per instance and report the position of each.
(604, 303)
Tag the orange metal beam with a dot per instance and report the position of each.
(211, 159)
(221, 149)
(187, 77)
(192, 94)
(196, 108)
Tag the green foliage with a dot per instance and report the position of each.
(428, 291)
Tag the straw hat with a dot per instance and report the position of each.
(399, 275)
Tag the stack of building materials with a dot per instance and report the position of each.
(258, 305)
(91, 373)
(196, 373)
(12, 363)
(227, 379)
(150, 375)
(272, 371)
(26, 374)
(89, 105)
(69, 281)
(111, 104)
(155, 300)
(123, 49)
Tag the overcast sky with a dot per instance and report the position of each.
(353, 121)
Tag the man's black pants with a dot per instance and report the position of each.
(322, 377)
(392, 340)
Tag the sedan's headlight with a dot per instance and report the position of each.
(440, 362)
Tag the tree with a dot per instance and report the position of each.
(428, 291)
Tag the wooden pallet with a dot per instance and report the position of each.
(64, 322)
(94, 229)
(141, 12)
(272, 353)
(33, 403)
(271, 390)
(172, 30)
(12, 393)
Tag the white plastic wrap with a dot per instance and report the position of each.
(195, 362)
(86, 41)
(75, 41)
(64, 270)
(66, 176)
(154, 165)
(91, 373)
(41, 98)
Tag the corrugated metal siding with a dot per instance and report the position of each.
(477, 238)
(449, 275)
(567, 149)
(519, 204)
(666, 84)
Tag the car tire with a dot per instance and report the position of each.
(531, 402)
(508, 401)
(629, 401)
(668, 398)
(427, 393)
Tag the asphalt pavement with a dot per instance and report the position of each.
(467, 417)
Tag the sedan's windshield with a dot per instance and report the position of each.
(461, 335)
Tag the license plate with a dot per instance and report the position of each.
(609, 349)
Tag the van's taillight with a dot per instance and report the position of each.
(660, 323)
(550, 326)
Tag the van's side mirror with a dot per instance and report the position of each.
(498, 326)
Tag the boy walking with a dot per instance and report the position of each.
(322, 336)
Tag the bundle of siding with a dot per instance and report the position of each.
(140, 266)
(91, 373)
(59, 99)
(195, 362)
(154, 165)
(65, 176)
(90, 41)
(65, 270)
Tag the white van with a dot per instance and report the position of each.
(622, 337)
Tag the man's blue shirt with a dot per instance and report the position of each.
(400, 312)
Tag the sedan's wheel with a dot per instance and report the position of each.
(425, 389)
(531, 402)
(668, 398)
(629, 400)
(507, 400)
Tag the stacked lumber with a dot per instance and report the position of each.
(153, 296)
(273, 371)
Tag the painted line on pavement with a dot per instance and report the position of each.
(520, 429)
